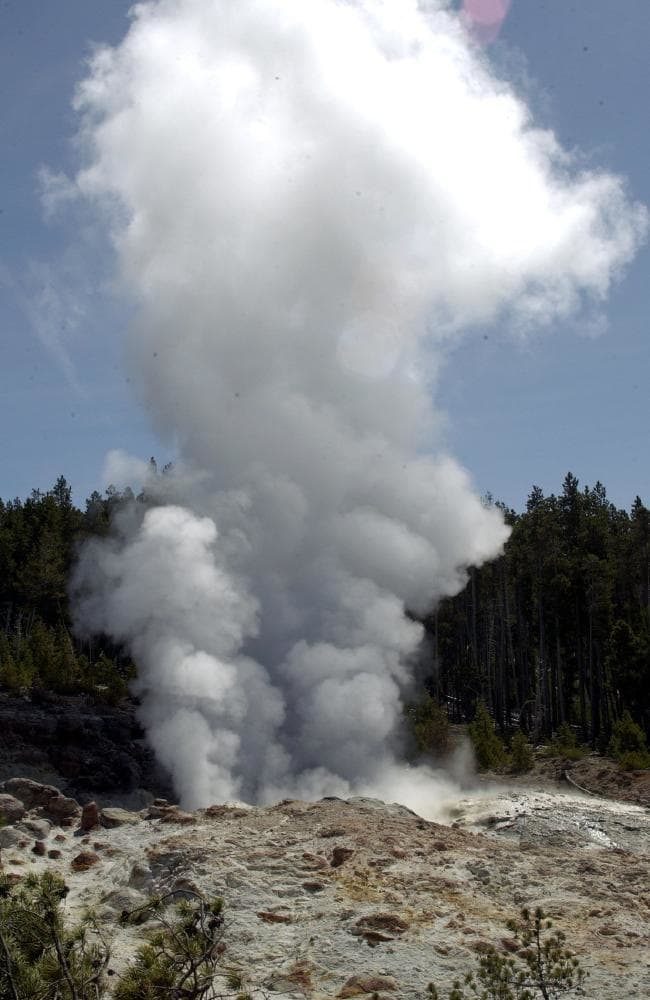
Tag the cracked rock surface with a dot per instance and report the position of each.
(349, 898)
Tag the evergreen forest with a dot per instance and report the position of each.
(554, 635)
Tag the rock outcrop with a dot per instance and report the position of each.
(87, 750)
(409, 903)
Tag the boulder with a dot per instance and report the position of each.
(114, 816)
(37, 828)
(10, 837)
(32, 794)
(62, 808)
(89, 817)
(46, 798)
(11, 808)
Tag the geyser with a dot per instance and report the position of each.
(307, 200)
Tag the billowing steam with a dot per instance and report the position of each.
(306, 198)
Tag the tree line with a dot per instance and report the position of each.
(555, 633)
(39, 539)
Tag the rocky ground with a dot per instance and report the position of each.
(345, 898)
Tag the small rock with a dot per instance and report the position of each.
(82, 862)
(315, 860)
(113, 817)
(378, 927)
(141, 876)
(358, 985)
(124, 898)
(11, 809)
(60, 838)
(373, 938)
(297, 975)
(184, 888)
(340, 855)
(274, 918)
(178, 816)
(89, 817)
(157, 812)
(54, 854)
(509, 944)
(313, 886)
(39, 848)
(223, 811)
(333, 831)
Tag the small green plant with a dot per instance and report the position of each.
(488, 748)
(634, 761)
(566, 744)
(521, 754)
(628, 744)
(40, 959)
(542, 967)
(429, 725)
(181, 953)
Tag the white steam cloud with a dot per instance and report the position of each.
(306, 197)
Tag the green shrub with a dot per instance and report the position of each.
(634, 760)
(429, 726)
(573, 753)
(566, 738)
(565, 744)
(628, 739)
(521, 754)
(542, 967)
(181, 954)
(488, 748)
(40, 958)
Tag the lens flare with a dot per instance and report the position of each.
(485, 18)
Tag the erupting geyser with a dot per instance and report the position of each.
(306, 198)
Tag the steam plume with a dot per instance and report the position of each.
(307, 198)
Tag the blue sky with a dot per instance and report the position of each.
(518, 414)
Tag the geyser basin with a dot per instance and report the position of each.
(307, 198)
